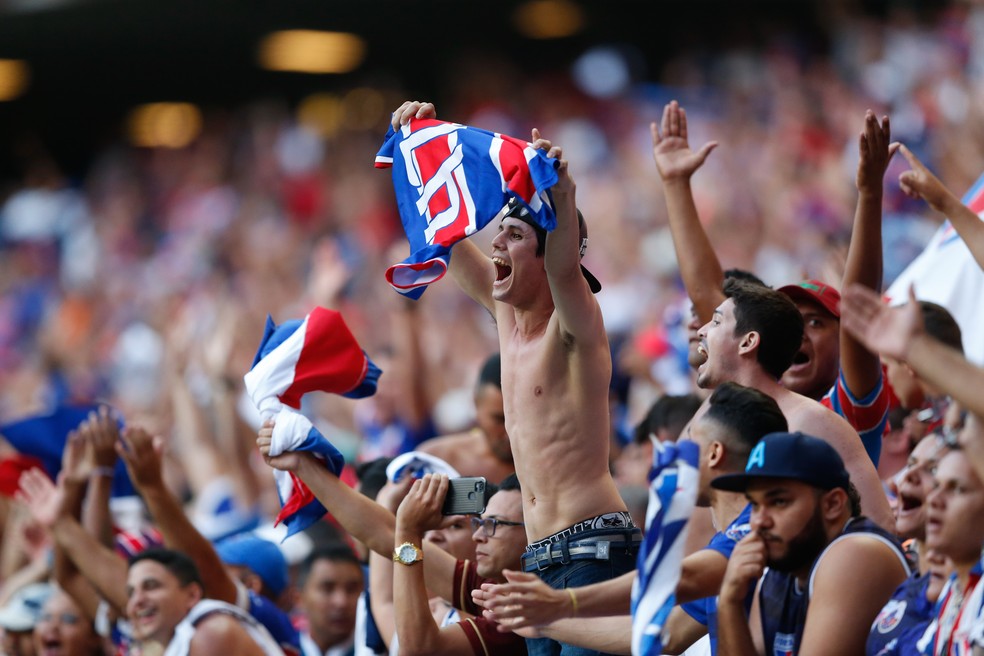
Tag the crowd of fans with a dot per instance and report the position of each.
(143, 288)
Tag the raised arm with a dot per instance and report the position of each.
(415, 626)
(921, 183)
(97, 563)
(100, 432)
(898, 332)
(577, 309)
(363, 518)
(676, 163)
(862, 367)
(142, 454)
(470, 268)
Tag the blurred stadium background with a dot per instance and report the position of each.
(172, 172)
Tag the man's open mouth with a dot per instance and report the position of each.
(502, 270)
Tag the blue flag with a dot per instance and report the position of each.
(450, 181)
(672, 495)
(44, 437)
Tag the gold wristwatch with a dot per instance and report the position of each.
(407, 554)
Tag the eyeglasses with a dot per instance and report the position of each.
(489, 523)
(64, 618)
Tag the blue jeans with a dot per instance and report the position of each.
(573, 575)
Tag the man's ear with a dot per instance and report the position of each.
(715, 454)
(833, 502)
(749, 343)
(253, 582)
(195, 593)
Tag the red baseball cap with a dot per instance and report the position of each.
(815, 292)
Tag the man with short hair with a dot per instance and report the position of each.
(751, 339)
(330, 583)
(735, 420)
(444, 575)
(556, 372)
(165, 607)
(830, 570)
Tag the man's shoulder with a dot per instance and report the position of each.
(859, 558)
(806, 415)
(217, 631)
(442, 444)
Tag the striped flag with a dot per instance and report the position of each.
(672, 495)
(450, 181)
(946, 273)
(297, 357)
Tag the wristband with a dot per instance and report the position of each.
(570, 591)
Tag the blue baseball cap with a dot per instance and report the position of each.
(262, 557)
(795, 456)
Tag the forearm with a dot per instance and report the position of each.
(381, 595)
(611, 635)
(861, 367)
(968, 225)
(363, 518)
(700, 268)
(180, 534)
(96, 517)
(473, 272)
(947, 370)
(97, 563)
(415, 626)
(603, 599)
(734, 637)
(562, 253)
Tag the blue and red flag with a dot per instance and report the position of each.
(672, 495)
(450, 181)
(43, 437)
(318, 353)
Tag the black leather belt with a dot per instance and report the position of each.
(594, 548)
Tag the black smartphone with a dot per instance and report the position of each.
(466, 496)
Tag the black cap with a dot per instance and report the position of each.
(793, 456)
(517, 210)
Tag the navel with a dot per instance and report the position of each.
(537, 391)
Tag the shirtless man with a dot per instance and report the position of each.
(751, 339)
(483, 450)
(556, 369)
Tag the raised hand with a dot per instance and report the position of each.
(141, 452)
(876, 150)
(76, 458)
(420, 511)
(882, 329)
(42, 498)
(671, 150)
(746, 565)
(289, 461)
(101, 431)
(921, 183)
(412, 109)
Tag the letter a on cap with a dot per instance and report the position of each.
(757, 457)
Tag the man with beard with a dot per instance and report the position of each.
(830, 570)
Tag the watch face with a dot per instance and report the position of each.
(407, 553)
